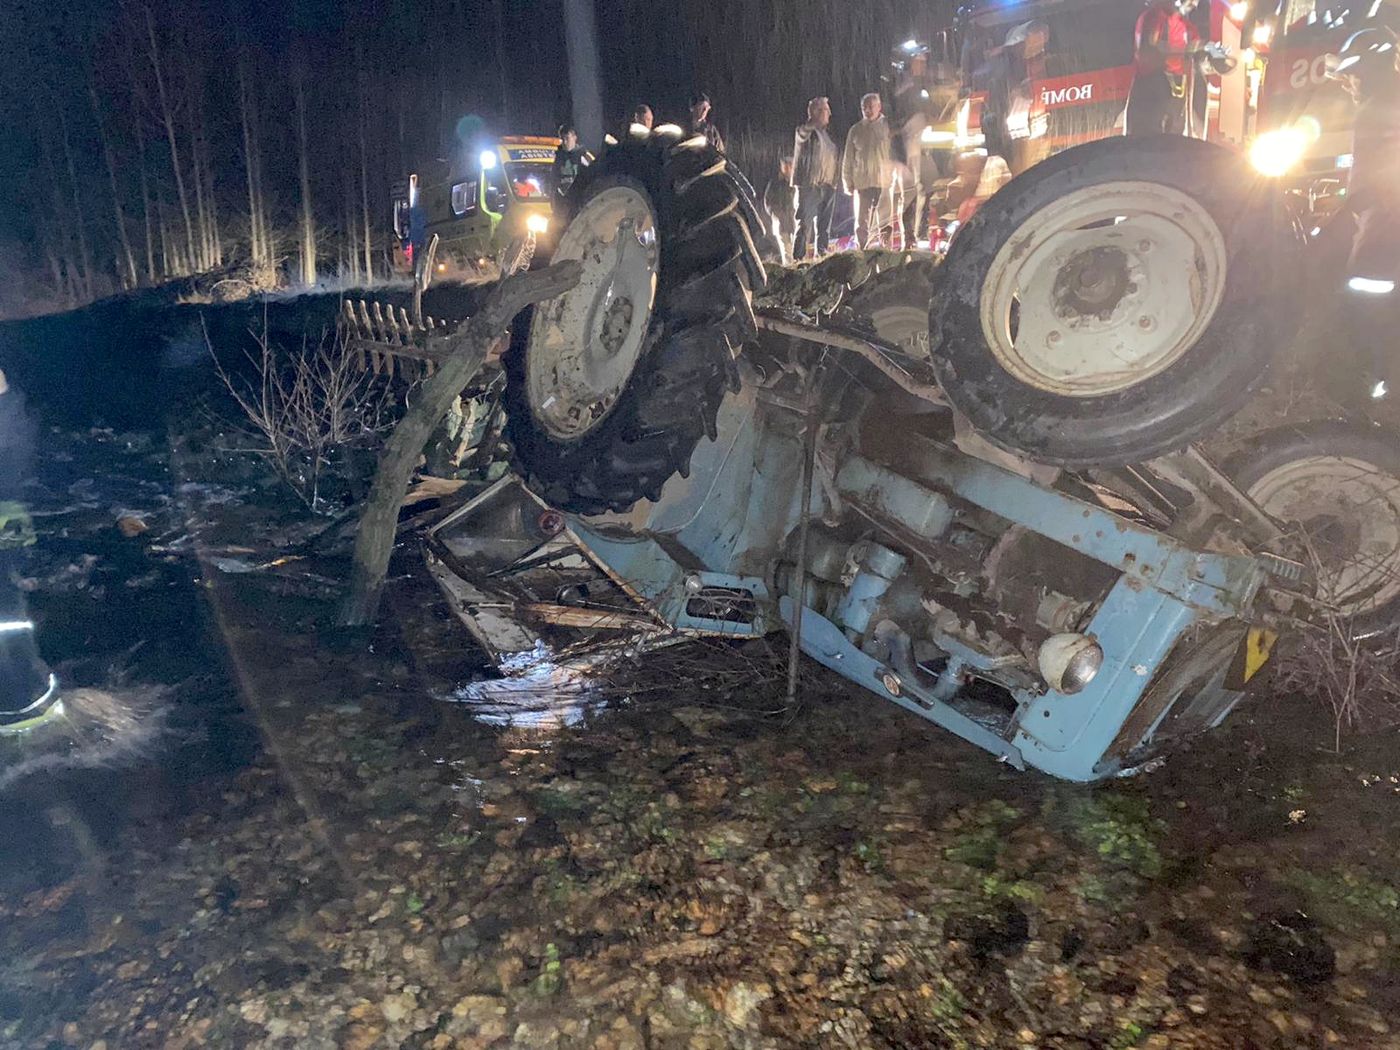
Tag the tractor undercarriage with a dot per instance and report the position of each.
(1040, 562)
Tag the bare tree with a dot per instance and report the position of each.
(307, 230)
(362, 121)
(128, 257)
(79, 226)
(167, 117)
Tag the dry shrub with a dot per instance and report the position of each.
(304, 407)
(1357, 678)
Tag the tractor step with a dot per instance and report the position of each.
(381, 335)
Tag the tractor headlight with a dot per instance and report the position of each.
(536, 223)
(1275, 153)
(1069, 662)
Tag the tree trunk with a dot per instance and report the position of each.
(259, 240)
(364, 174)
(168, 119)
(145, 182)
(84, 255)
(501, 83)
(129, 275)
(464, 352)
(308, 222)
(585, 85)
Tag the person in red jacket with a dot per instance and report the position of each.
(1164, 46)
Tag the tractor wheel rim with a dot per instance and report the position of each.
(1346, 514)
(1103, 289)
(906, 326)
(585, 344)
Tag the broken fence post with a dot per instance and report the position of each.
(461, 355)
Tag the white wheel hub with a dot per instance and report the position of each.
(585, 344)
(1349, 511)
(1103, 289)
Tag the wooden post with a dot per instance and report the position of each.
(462, 354)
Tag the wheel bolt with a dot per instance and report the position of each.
(1053, 337)
(1144, 245)
(1144, 323)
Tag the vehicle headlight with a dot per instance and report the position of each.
(1069, 662)
(536, 223)
(1275, 153)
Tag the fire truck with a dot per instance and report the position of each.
(1038, 76)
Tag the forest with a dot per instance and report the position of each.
(149, 140)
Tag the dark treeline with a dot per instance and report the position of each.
(143, 140)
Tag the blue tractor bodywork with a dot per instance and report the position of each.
(918, 558)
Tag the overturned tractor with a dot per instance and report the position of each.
(1000, 487)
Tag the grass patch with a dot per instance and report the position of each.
(1120, 830)
(986, 826)
(1345, 898)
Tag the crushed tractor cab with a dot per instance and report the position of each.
(932, 476)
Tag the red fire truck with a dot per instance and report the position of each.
(1039, 76)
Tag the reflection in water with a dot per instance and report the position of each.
(98, 728)
(538, 690)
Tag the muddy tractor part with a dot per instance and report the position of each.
(1102, 611)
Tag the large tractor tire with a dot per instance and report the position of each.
(611, 385)
(1335, 486)
(1115, 302)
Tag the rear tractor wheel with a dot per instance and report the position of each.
(611, 385)
(1115, 302)
(1335, 486)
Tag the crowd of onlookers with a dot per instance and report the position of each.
(867, 191)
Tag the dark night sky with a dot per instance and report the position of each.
(410, 69)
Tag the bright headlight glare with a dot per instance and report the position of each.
(1371, 285)
(1274, 153)
(1239, 9)
(932, 137)
(1378, 391)
(1263, 33)
(537, 223)
(488, 158)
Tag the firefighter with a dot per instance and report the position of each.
(1165, 42)
(1367, 65)
(28, 690)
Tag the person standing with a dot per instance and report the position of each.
(779, 201)
(814, 169)
(701, 122)
(866, 171)
(569, 159)
(1165, 41)
(641, 114)
(28, 690)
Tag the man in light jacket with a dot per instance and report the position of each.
(866, 170)
(814, 164)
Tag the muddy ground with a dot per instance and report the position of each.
(325, 840)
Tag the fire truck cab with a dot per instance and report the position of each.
(1039, 76)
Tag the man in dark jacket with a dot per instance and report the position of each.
(569, 159)
(701, 122)
(1367, 65)
(815, 160)
(28, 691)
